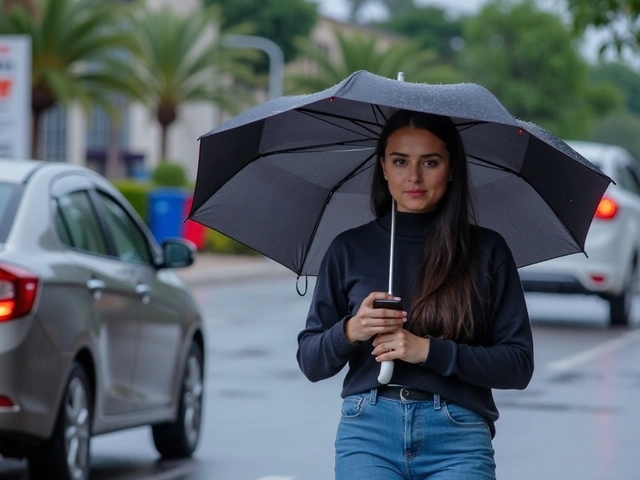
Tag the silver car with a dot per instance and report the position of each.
(97, 332)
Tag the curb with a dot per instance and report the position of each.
(207, 273)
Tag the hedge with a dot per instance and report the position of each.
(137, 193)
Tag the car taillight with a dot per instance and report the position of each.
(607, 209)
(18, 290)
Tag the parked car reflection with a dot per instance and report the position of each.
(97, 332)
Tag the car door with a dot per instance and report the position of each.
(161, 334)
(629, 180)
(109, 284)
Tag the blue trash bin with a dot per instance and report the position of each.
(166, 212)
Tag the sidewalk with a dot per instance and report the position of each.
(213, 268)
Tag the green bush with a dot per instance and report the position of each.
(219, 243)
(169, 174)
(136, 193)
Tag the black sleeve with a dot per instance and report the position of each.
(508, 362)
(323, 349)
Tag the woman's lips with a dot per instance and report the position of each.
(415, 193)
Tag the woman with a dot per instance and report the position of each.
(464, 329)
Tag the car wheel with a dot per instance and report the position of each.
(65, 456)
(620, 305)
(179, 439)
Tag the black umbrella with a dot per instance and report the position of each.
(287, 176)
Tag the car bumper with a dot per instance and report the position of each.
(574, 275)
(30, 381)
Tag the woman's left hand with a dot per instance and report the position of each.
(402, 345)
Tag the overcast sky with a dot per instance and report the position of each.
(339, 9)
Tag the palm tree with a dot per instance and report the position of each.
(180, 62)
(77, 53)
(360, 52)
(7, 5)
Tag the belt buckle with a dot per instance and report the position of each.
(405, 393)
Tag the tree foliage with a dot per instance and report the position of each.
(528, 59)
(618, 17)
(430, 27)
(619, 128)
(77, 54)
(624, 78)
(180, 62)
(281, 21)
(361, 52)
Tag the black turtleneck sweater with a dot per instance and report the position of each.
(356, 264)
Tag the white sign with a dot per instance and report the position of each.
(15, 96)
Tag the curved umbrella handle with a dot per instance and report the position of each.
(386, 372)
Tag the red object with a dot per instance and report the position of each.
(607, 209)
(191, 230)
(18, 291)
(5, 88)
(5, 402)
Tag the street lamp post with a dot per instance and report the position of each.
(276, 58)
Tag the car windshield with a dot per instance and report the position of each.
(8, 203)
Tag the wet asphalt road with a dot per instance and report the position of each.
(579, 418)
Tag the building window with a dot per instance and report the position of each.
(98, 128)
(54, 134)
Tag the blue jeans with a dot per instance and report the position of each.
(385, 439)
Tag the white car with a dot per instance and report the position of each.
(610, 267)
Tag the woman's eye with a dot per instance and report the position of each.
(398, 161)
(430, 163)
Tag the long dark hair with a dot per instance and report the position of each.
(441, 303)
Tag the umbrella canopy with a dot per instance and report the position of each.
(287, 176)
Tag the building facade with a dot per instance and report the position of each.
(69, 135)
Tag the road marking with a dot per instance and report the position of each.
(171, 474)
(595, 352)
(276, 477)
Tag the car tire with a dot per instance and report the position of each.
(620, 305)
(179, 439)
(71, 434)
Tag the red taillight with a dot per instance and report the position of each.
(607, 209)
(18, 290)
(5, 402)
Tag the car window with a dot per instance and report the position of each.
(633, 178)
(7, 208)
(130, 242)
(78, 224)
(63, 230)
(627, 180)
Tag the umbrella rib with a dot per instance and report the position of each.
(314, 147)
(468, 125)
(488, 164)
(377, 110)
(349, 176)
(323, 116)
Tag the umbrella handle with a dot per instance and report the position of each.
(386, 372)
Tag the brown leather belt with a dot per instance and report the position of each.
(404, 393)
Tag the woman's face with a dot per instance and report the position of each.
(416, 166)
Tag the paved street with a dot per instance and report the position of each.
(264, 421)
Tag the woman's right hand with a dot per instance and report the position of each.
(370, 321)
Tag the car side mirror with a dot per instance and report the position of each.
(178, 253)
